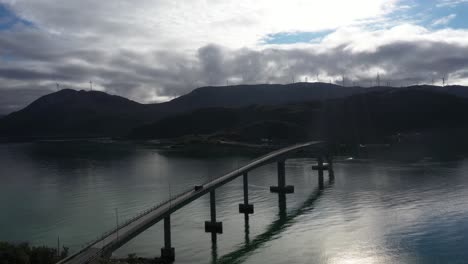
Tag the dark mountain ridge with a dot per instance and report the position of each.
(70, 113)
(260, 94)
(373, 117)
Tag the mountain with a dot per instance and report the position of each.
(245, 124)
(74, 113)
(70, 113)
(259, 94)
(370, 117)
(373, 117)
(457, 90)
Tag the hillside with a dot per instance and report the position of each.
(290, 122)
(70, 113)
(74, 113)
(373, 116)
(362, 118)
(245, 112)
(259, 94)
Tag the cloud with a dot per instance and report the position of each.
(14, 99)
(158, 50)
(443, 21)
(191, 24)
(450, 3)
(357, 53)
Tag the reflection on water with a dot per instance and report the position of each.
(214, 248)
(278, 226)
(386, 208)
(246, 229)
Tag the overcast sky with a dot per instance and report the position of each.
(154, 50)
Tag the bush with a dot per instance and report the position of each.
(23, 253)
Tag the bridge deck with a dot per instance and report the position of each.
(125, 232)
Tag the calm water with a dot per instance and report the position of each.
(412, 210)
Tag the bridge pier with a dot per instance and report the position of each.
(212, 226)
(331, 173)
(167, 252)
(246, 229)
(320, 167)
(246, 208)
(282, 206)
(282, 188)
(214, 248)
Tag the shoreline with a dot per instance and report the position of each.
(166, 144)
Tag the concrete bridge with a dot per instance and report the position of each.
(114, 239)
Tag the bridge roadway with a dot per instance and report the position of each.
(114, 239)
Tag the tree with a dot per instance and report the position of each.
(23, 253)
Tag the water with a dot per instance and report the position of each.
(378, 210)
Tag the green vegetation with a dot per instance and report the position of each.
(133, 259)
(373, 117)
(253, 114)
(23, 253)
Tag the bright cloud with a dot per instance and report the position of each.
(190, 24)
(153, 50)
(443, 21)
(450, 3)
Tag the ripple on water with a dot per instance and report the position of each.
(374, 212)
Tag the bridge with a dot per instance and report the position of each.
(123, 233)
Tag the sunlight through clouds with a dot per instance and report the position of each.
(191, 24)
(157, 50)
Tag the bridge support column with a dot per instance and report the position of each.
(212, 226)
(246, 208)
(282, 206)
(167, 252)
(320, 167)
(282, 188)
(331, 173)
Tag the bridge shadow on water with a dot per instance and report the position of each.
(284, 221)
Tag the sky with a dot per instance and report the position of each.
(154, 50)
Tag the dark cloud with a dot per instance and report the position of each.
(13, 100)
(22, 74)
(143, 76)
(212, 64)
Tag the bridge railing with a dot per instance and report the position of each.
(138, 216)
(142, 214)
(157, 206)
(125, 223)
